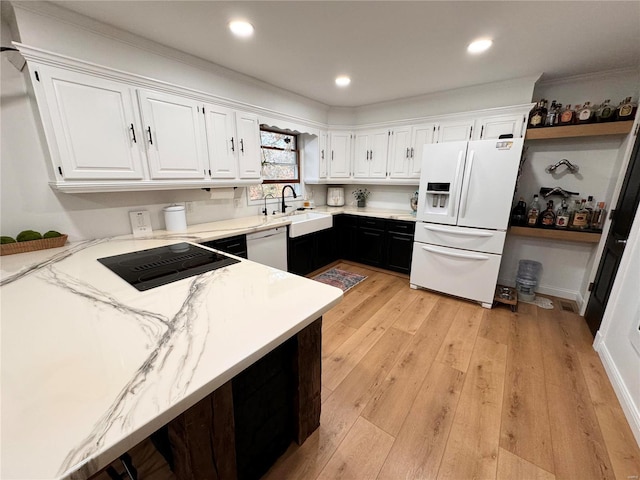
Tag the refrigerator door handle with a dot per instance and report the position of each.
(466, 183)
(468, 256)
(454, 188)
(458, 232)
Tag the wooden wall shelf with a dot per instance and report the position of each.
(552, 234)
(586, 130)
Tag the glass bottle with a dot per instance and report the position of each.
(576, 112)
(562, 215)
(586, 114)
(538, 115)
(566, 117)
(519, 213)
(548, 217)
(534, 212)
(598, 217)
(626, 110)
(605, 112)
(550, 119)
(580, 217)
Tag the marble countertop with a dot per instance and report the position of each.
(91, 366)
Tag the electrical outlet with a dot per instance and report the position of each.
(189, 207)
(140, 223)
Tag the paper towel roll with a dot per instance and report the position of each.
(175, 218)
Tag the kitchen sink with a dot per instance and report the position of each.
(309, 222)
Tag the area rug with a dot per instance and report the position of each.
(340, 278)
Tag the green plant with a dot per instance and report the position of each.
(361, 194)
(4, 240)
(52, 234)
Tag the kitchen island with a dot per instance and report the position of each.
(91, 366)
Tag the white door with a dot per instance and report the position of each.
(442, 172)
(175, 136)
(340, 161)
(400, 153)
(95, 126)
(248, 128)
(489, 182)
(378, 151)
(458, 131)
(221, 140)
(323, 155)
(421, 135)
(361, 151)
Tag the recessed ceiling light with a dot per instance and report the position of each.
(240, 28)
(479, 46)
(343, 81)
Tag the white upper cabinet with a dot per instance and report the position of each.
(221, 139)
(91, 126)
(454, 131)
(174, 134)
(370, 154)
(407, 144)
(323, 154)
(248, 128)
(495, 125)
(340, 159)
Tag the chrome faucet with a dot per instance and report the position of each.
(284, 207)
(264, 210)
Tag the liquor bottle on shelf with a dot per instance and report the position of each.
(519, 213)
(538, 114)
(551, 118)
(534, 212)
(548, 217)
(562, 215)
(566, 117)
(598, 217)
(580, 217)
(626, 110)
(576, 113)
(605, 112)
(586, 114)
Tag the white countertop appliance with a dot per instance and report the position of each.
(465, 195)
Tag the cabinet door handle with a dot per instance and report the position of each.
(133, 132)
(233, 147)
(370, 154)
(150, 137)
(332, 155)
(411, 152)
(481, 132)
(242, 145)
(322, 154)
(407, 155)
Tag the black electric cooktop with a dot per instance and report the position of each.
(153, 267)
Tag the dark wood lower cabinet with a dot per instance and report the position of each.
(399, 252)
(239, 430)
(311, 252)
(371, 247)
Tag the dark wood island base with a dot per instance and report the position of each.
(238, 431)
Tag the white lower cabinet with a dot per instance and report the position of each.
(174, 134)
(91, 126)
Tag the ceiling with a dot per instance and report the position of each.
(390, 49)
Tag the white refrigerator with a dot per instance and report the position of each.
(465, 195)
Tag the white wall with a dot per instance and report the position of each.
(618, 340)
(392, 197)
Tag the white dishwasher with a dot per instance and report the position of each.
(269, 247)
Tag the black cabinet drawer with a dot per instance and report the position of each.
(401, 226)
(236, 245)
(371, 222)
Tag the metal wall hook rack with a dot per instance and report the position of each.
(547, 192)
(570, 166)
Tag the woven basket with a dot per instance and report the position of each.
(32, 245)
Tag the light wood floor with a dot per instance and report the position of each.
(419, 385)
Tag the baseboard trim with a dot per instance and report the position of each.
(631, 412)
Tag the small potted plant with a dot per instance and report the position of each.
(361, 196)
